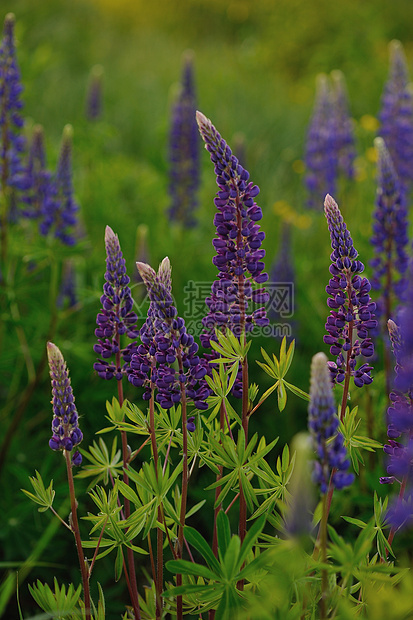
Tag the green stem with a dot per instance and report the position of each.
(323, 549)
(184, 493)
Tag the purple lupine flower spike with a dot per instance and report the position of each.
(344, 129)
(399, 447)
(184, 167)
(167, 357)
(396, 117)
(320, 155)
(238, 243)
(40, 199)
(65, 218)
(350, 304)
(65, 424)
(390, 238)
(332, 462)
(12, 174)
(116, 317)
(94, 94)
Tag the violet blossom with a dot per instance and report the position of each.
(65, 424)
(184, 168)
(390, 238)
(12, 173)
(238, 244)
(396, 117)
(349, 300)
(332, 462)
(167, 359)
(116, 318)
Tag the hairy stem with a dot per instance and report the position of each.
(75, 529)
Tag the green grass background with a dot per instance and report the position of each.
(255, 67)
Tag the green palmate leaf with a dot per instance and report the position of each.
(190, 568)
(119, 564)
(195, 539)
(42, 496)
(58, 604)
(281, 396)
(223, 533)
(103, 464)
(353, 442)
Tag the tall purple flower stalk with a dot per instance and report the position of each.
(330, 147)
(184, 168)
(396, 117)
(60, 209)
(238, 244)
(332, 462)
(65, 424)
(399, 448)
(39, 200)
(116, 317)
(352, 310)
(167, 358)
(12, 142)
(390, 237)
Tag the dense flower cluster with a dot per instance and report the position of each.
(65, 424)
(330, 146)
(400, 419)
(238, 243)
(350, 303)
(116, 317)
(167, 358)
(11, 121)
(396, 117)
(390, 238)
(332, 462)
(184, 167)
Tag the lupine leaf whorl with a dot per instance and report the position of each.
(350, 303)
(390, 238)
(323, 424)
(238, 243)
(116, 317)
(167, 357)
(65, 423)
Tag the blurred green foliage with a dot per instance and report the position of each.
(255, 68)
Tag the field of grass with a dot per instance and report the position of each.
(256, 63)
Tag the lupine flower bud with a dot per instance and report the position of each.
(390, 237)
(167, 358)
(116, 317)
(65, 424)
(396, 117)
(184, 167)
(298, 517)
(332, 462)
(12, 173)
(238, 243)
(350, 303)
